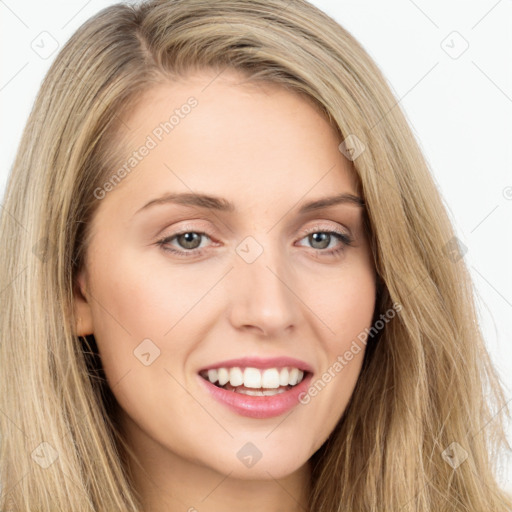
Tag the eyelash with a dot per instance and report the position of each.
(345, 240)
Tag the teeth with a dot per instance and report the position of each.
(294, 375)
(283, 377)
(213, 375)
(270, 379)
(223, 376)
(236, 377)
(252, 378)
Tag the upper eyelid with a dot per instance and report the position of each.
(306, 232)
(317, 226)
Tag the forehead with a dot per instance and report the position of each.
(228, 137)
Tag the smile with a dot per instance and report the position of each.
(257, 388)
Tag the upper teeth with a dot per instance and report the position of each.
(249, 377)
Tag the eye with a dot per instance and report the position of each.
(190, 241)
(326, 239)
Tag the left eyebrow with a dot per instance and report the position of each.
(222, 204)
(325, 202)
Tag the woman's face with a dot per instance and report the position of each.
(205, 255)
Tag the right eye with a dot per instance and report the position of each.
(189, 241)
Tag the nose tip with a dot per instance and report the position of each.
(261, 299)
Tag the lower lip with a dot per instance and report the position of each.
(258, 406)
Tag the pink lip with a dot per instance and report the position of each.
(258, 406)
(261, 363)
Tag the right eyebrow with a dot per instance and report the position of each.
(192, 199)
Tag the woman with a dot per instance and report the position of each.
(229, 280)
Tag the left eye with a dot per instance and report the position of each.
(324, 239)
(190, 240)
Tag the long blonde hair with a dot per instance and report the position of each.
(427, 394)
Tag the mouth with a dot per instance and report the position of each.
(255, 381)
(256, 387)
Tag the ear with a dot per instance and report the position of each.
(82, 308)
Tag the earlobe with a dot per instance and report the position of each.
(82, 308)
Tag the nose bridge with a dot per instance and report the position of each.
(260, 293)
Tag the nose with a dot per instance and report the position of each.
(262, 298)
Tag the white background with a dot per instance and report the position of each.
(459, 106)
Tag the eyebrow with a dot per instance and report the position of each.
(223, 205)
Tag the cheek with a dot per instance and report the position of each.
(144, 297)
(346, 305)
(137, 299)
(344, 301)
(142, 326)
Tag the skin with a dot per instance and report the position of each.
(268, 151)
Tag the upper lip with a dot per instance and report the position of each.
(262, 363)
